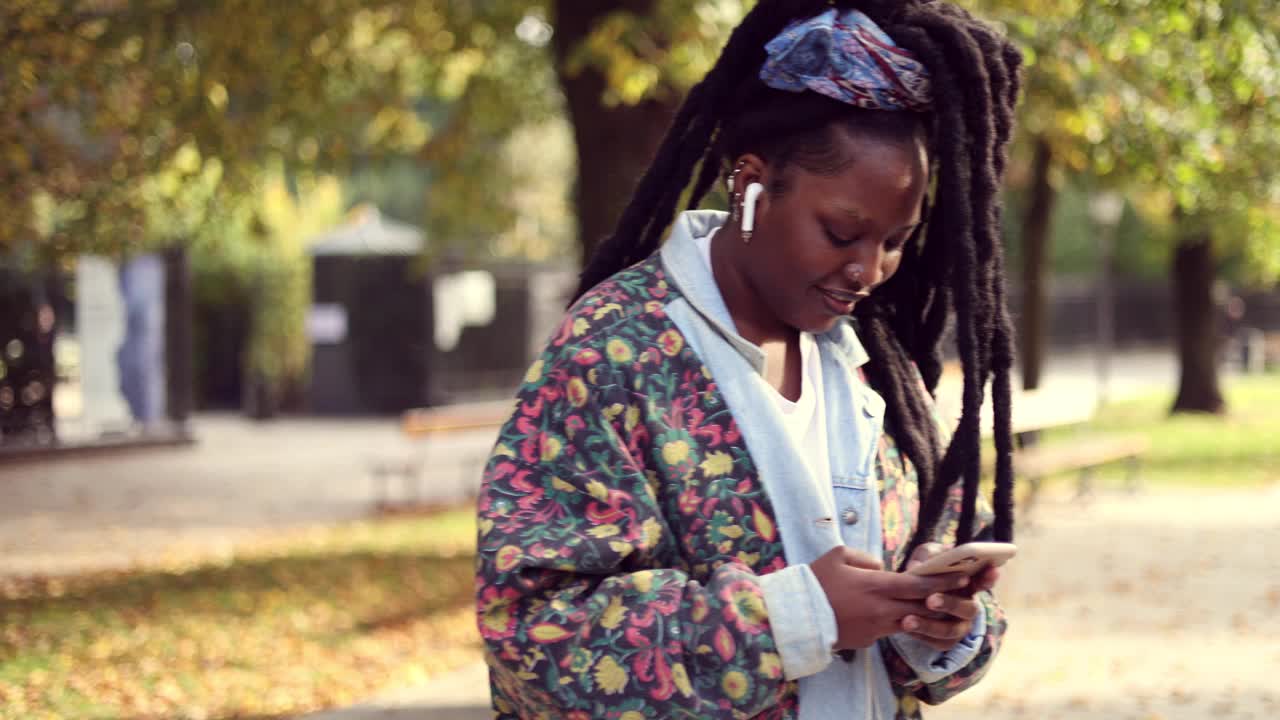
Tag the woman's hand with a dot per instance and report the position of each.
(870, 603)
(950, 614)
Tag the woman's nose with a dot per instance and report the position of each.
(864, 271)
(854, 272)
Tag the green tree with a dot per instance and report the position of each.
(106, 93)
(112, 90)
(1170, 101)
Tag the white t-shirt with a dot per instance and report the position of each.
(805, 419)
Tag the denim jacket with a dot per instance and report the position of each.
(645, 526)
(814, 514)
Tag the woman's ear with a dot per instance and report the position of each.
(747, 169)
(750, 181)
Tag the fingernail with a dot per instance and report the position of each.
(935, 602)
(911, 624)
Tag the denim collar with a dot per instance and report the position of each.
(696, 282)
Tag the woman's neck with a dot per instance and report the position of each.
(751, 315)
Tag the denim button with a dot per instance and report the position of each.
(849, 516)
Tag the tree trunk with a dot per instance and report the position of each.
(1197, 327)
(178, 338)
(615, 144)
(1032, 323)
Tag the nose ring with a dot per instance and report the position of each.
(854, 271)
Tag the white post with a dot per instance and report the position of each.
(1105, 208)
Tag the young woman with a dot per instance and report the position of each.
(729, 447)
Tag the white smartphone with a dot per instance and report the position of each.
(970, 559)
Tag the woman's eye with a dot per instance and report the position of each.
(895, 244)
(839, 241)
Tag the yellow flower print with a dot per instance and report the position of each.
(508, 557)
(633, 417)
(598, 490)
(631, 715)
(606, 309)
(613, 613)
(577, 392)
(643, 580)
(735, 684)
(652, 530)
(700, 608)
(497, 617)
(731, 531)
(603, 531)
(717, 463)
(549, 633)
(580, 327)
(496, 620)
(611, 676)
(745, 607)
(551, 447)
(675, 452)
(619, 350)
(671, 343)
(535, 372)
(770, 665)
(680, 677)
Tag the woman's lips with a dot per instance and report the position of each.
(841, 302)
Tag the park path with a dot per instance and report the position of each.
(242, 479)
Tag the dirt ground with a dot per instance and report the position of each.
(1163, 605)
(1157, 606)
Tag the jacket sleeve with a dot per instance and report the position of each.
(937, 678)
(583, 602)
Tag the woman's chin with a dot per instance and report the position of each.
(818, 324)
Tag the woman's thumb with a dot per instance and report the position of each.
(859, 559)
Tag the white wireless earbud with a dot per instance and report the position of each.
(749, 198)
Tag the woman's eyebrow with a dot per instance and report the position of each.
(857, 216)
(852, 213)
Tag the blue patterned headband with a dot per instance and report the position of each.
(844, 55)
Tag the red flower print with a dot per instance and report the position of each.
(744, 607)
(497, 621)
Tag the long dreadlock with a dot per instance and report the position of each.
(953, 263)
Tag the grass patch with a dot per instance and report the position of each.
(1238, 449)
(288, 626)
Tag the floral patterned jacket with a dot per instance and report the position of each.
(623, 528)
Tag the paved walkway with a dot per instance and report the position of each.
(241, 479)
(244, 478)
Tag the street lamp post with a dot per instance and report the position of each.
(1105, 209)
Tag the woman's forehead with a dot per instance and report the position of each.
(882, 180)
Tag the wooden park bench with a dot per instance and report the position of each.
(1037, 411)
(426, 426)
